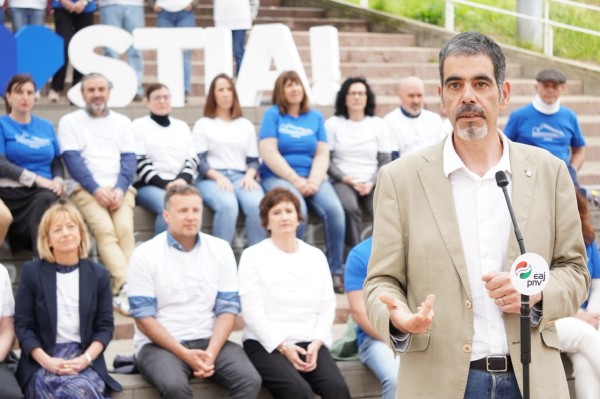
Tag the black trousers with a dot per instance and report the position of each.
(353, 205)
(284, 381)
(66, 25)
(27, 206)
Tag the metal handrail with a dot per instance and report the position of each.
(548, 24)
(548, 41)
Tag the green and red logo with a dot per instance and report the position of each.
(523, 270)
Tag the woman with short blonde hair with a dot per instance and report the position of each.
(63, 314)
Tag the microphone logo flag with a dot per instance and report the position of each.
(529, 274)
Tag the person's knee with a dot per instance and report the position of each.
(334, 388)
(248, 386)
(296, 391)
(11, 392)
(173, 390)
(170, 385)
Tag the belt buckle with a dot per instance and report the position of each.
(493, 363)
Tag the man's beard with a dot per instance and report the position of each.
(471, 133)
(97, 109)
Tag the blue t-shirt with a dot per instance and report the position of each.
(297, 138)
(91, 7)
(32, 145)
(556, 133)
(593, 262)
(356, 273)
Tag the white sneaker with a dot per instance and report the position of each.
(53, 96)
(121, 302)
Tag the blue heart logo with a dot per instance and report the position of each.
(35, 50)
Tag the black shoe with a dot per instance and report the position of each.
(338, 284)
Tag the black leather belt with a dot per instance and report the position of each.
(493, 364)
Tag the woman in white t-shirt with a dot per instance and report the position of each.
(288, 305)
(164, 153)
(9, 388)
(359, 145)
(227, 149)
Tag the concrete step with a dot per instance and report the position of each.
(395, 70)
(361, 39)
(294, 23)
(372, 54)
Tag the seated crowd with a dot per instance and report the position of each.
(184, 314)
(154, 161)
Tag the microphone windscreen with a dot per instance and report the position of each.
(501, 179)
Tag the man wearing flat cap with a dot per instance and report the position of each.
(547, 124)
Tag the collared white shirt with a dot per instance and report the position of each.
(485, 224)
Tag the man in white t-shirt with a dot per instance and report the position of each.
(97, 148)
(413, 127)
(9, 387)
(183, 293)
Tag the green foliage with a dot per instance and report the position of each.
(567, 44)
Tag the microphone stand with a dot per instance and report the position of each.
(525, 310)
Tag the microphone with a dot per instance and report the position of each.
(502, 182)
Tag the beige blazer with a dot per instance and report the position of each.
(417, 250)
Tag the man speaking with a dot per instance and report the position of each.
(438, 287)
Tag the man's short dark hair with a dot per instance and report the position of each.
(474, 43)
(180, 189)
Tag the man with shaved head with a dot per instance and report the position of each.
(413, 127)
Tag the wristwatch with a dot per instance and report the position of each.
(85, 354)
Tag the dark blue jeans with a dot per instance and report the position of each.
(485, 385)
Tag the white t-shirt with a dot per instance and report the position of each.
(286, 297)
(413, 134)
(35, 4)
(167, 147)
(227, 143)
(232, 14)
(355, 145)
(173, 5)
(67, 309)
(100, 141)
(7, 305)
(184, 285)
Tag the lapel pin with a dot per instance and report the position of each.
(528, 173)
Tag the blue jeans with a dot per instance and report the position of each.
(484, 385)
(26, 16)
(2, 17)
(378, 357)
(152, 198)
(128, 18)
(226, 207)
(239, 41)
(180, 19)
(327, 206)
